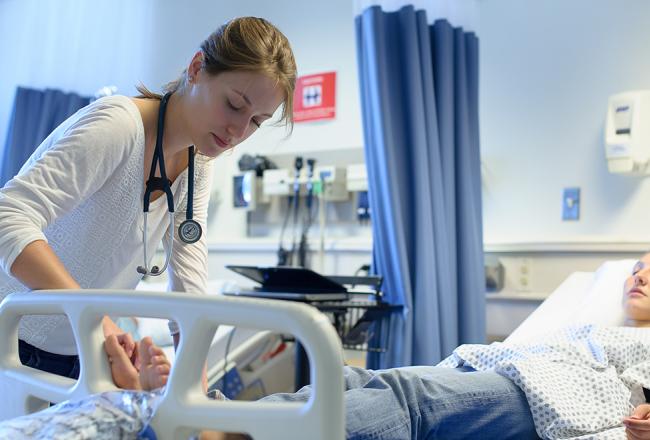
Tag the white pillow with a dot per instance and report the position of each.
(603, 303)
(557, 311)
(584, 297)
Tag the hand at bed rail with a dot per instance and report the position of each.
(154, 365)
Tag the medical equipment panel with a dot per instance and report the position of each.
(247, 191)
(357, 177)
(627, 133)
(276, 182)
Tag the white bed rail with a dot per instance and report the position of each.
(184, 408)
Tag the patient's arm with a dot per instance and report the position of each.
(638, 424)
(154, 368)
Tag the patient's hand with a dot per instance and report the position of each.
(638, 424)
(154, 366)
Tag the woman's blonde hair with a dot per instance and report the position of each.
(245, 44)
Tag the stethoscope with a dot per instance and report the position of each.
(190, 230)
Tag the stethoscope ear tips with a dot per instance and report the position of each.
(143, 270)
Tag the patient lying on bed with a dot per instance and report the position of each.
(573, 383)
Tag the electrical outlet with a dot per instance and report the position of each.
(571, 204)
(522, 275)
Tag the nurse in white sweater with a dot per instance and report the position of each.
(73, 216)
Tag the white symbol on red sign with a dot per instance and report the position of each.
(312, 95)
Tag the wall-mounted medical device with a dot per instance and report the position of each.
(333, 183)
(357, 177)
(277, 182)
(627, 133)
(247, 191)
(332, 180)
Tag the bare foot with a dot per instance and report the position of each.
(124, 373)
(154, 366)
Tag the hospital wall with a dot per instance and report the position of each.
(547, 70)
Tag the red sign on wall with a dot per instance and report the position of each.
(315, 97)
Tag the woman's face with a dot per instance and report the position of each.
(225, 109)
(636, 300)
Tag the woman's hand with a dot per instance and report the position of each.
(124, 373)
(155, 366)
(125, 340)
(131, 348)
(638, 423)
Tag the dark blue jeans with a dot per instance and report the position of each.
(62, 365)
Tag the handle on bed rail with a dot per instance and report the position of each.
(184, 406)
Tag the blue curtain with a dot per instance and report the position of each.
(419, 93)
(35, 115)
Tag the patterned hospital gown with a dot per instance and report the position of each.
(580, 382)
(111, 415)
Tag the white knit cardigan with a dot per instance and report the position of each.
(82, 191)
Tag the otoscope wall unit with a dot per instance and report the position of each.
(318, 195)
(330, 180)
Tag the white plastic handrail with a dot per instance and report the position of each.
(184, 408)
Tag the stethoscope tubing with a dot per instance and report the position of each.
(189, 230)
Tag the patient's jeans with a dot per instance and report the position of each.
(430, 403)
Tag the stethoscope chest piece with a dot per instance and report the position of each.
(190, 231)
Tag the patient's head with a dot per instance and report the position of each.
(636, 299)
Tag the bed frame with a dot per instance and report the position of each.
(184, 409)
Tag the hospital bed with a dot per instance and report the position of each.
(184, 409)
(584, 297)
